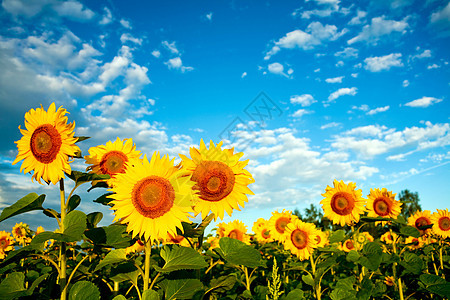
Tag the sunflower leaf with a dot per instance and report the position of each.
(104, 199)
(409, 231)
(180, 288)
(84, 290)
(81, 138)
(180, 258)
(150, 295)
(75, 224)
(337, 236)
(28, 203)
(12, 287)
(239, 253)
(73, 203)
(113, 257)
(81, 177)
(114, 235)
(125, 271)
(93, 219)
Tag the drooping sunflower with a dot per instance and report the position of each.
(278, 222)
(46, 144)
(301, 238)
(441, 221)
(382, 203)
(221, 180)
(21, 233)
(153, 198)
(5, 243)
(419, 219)
(112, 158)
(237, 230)
(343, 204)
(322, 238)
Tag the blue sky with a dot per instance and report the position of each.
(352, 90)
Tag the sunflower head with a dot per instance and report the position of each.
(262, 232)
(5, 243)
(389, 237)
(322, 238)
(153, 198)
(362, 238)
(22, 233)
(415, 243)
(220, 179)
(389, 280)
(343, 204)
(237, 230)
(177, 240)
(112, 158)
(136, 247)
(278, 222)
(420, 219)
(441, 223)
(301, 238)
(347, 245)
(382, 203)
(46, 144)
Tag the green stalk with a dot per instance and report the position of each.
(394, 267)
(148, 251)
(317, 290)
(62, 252)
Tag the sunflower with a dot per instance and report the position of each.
(221, 181)
(213, 242)
(362, 238)
(389, 280)
(322, 238)
(39, 230)
(220, 229)
(347, 246)
(382, 203)
(414, 243)
(153, 198)
(136, 247)
(262, 234)
(301, 238)
(46, 144)
(5, 243)
(441, 221)
(419, 219)
(112, 158)
(21, 233)
(389, 237)
(278, 222)
(177, 240)
(237, 230)
(258, 224)
(343, 204)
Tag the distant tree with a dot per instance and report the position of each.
(411, 203)
(314, 215)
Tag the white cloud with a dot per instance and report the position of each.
(340, 64)
(301, 112)
(107, 17)
(156, 53)
(304, 100)
(244, 75)
(330, 125)
(277, 68)
(341, 92)
(363, 107)
(405, 83)
(354, 75)
(314, 35)
(176, 63)
(442, 15)
(209, 16)
(378, 28)
(170, 46)
(381, 63)
(334, 80)
(433, 66)
(378, 110)
(425, 54)
(348, 52)
(126, 37)
(423, 102)
(358, 19)
(126, 24)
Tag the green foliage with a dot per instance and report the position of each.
(181, 288)
(28, 203)
(84, 290)
(410, 202)
(238, 253)
(180, 258)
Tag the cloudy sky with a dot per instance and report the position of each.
(310, 91)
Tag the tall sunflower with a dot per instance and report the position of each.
(301, 238)
(419, 219)
(112, 158)
(5, 243)
(278, 222)
(237, 230)
(153, 198)
(46, 144)
(382, 203)
(441, 221)
(343, 204)
(221, 180)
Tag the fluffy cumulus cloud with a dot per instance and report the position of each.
(348, 52)
(278, 69)
(342, 92)
(334, 79)
(314, 35)
(382, 63)
(379, 28)
(177, 63)
(423, 102)
(301, 112)
(373, 140)
(304, 100)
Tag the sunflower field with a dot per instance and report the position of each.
(153, 250)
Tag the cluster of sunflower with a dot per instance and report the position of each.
(152, 196)
(21, 236)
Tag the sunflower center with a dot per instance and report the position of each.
(235, 234)
(318, 239)
(3, 243)
(349, 245)
(215, 180)
(299, 238)
(281, 224)
(444, 223)
(382, 206)
(342, 203)
(153, 196)
(45, 143)
(113, 162)
(177, 239)
(265, 233)
(422, 221)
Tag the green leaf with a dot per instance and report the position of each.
(21, 253)
(192, 230)
(400, 220)
(75, 224)
(239, 253)
(113, 257)
(49, 235)
(121, 297)
(373, 254)
(410, 231)
(337, 236)
(366, 290)
(104, 199)
(308, 279)
(353, 256)
(73, 203)
(442, 290)
(221, 285)
(180, 258)
(126, 271)
(28, 203)
(114, 235)
(430, 279)
(180, 288)
(295, 294)
(36, 283)
(375, 219)
(51, 213)
(93, 219)
(412, 263)
(84, 290)
(150, 295)
(81, 177)
(81, 138)
(12, 287)
(339, 294)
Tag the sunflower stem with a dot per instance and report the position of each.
(148, 250)
(62, 251)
